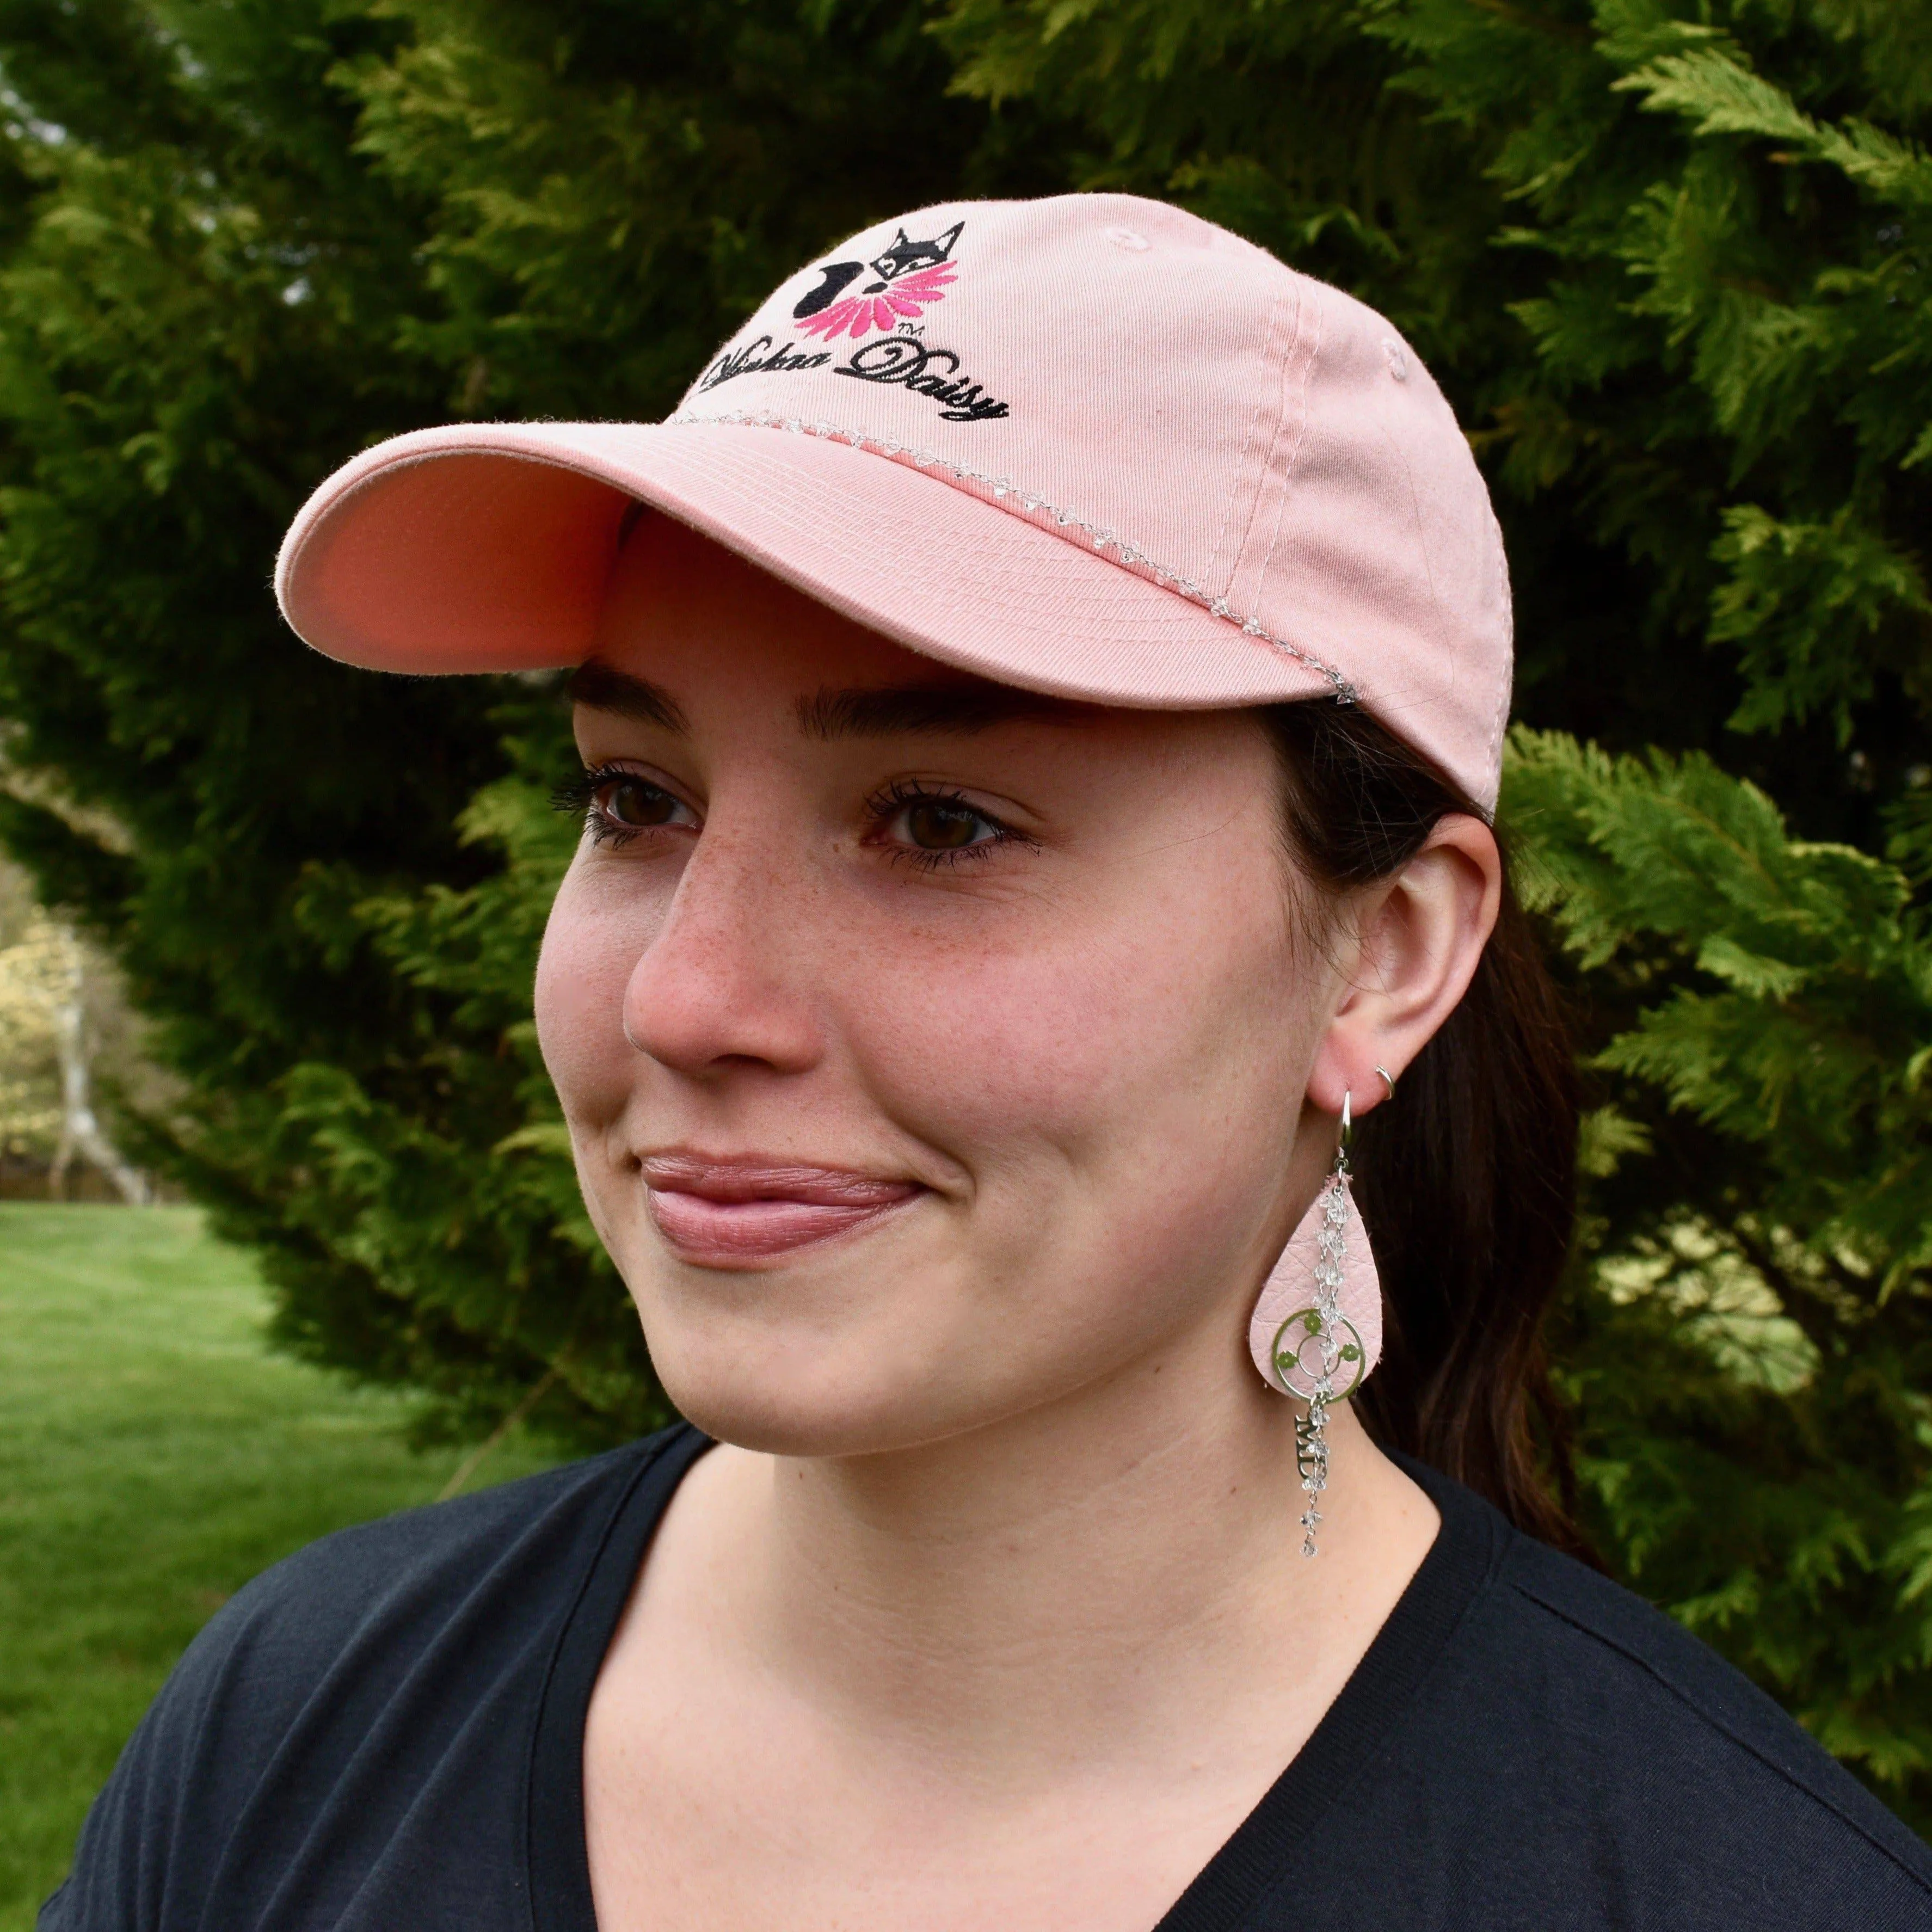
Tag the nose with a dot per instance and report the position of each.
(720, 984)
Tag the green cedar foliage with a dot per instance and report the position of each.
(1666, 258)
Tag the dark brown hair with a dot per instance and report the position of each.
(1467, 1181)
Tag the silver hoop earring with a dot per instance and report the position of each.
(1388, 1080)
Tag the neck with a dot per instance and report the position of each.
(1091, 1578)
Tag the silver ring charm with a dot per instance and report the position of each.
(1300, 1371)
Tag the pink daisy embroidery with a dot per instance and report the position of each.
(905, 298)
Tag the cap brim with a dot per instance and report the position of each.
(488, 547)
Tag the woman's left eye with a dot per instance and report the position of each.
(934, 825)
(933, 828)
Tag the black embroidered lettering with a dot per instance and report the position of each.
(903, 359)
(926, 372)
(892, 358)
(984, 410)
(750, 361)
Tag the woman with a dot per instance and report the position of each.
(1041, 699)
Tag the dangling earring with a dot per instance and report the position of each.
(1318, 1347)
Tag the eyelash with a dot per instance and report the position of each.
(885, 804)
(578, 797)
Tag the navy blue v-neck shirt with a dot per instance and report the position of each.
(385, 1734)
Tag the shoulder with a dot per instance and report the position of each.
(386, 1587)
(408, 1644)
(1653, 1662)
(1655, 1752)
(400, 1567)
(382, 1591)
(1565, 1754)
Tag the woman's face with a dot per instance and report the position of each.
(930, 1051)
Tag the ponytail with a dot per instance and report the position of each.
(1467, 1180)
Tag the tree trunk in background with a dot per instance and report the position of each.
(81, 1131)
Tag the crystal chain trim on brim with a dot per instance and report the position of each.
(1035, 504)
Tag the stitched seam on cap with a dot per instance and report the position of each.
(1102, 537)
(1300, 437)
(1234, 496)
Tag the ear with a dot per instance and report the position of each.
(1409, 950)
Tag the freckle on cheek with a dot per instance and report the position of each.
(1033, 1045)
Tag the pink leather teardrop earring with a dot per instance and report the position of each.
(1317, 1329)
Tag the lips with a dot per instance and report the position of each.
(719, 1212)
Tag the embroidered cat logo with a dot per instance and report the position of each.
(910, 275)
(903, 256)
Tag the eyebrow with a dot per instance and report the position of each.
(882, 711)
(602, 687)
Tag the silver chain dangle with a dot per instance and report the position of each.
(1311, 1431)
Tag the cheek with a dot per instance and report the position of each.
(1097, 1039)
(589, 948)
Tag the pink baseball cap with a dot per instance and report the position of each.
(1090, 445)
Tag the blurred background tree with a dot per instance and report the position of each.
(62, 1019)
(1668, 257)
(29, 1062)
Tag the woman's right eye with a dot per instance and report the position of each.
(621, 804)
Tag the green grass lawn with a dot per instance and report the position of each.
(153, 1457)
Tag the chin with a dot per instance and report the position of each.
(806, 1365)
(883, 1343)
(768, 1365)
(758, 1405)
